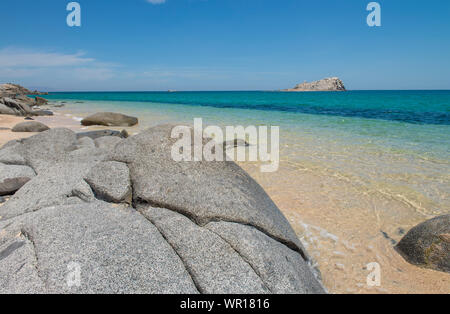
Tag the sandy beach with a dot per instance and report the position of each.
(342, 237)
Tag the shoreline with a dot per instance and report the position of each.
(336, 239)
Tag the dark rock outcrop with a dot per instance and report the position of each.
(428, 244)
(13, 90)
(109, 119)
(14, 106)
(30, 126)
(190, 228)
(325, 85)
(13, 101)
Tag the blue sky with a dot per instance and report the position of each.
(224, 44)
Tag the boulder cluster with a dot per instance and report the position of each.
(14, 101)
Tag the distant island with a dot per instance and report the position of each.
(332, 84)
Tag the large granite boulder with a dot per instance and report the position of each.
(109, 119)
(20, 107)
(181, 227)
(30, 126)
(428, 244)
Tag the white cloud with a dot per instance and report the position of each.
(10, 57)
(53, 69)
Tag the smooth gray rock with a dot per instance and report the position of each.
(42, 113)
(52, 187)
(115, 250)
(17, 105)
(12, 154)
(13, 177)
(281, 269)
(8, 110)
(30, 126)
(102, 133)
(109, 119)
(213, 264)
(428, 244)
(204, 191)
(107, 142)
(110, 181)
(46, 149)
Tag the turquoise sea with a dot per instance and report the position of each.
(396, 141)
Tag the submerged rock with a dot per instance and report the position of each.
(31, 126)
(109, 119)
(428, 244)
(235, 143)
(203, 227)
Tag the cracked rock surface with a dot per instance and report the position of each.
(115, 215)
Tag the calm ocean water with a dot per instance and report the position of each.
(393, 142)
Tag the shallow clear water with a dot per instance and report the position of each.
(393, 142)
(357, 170)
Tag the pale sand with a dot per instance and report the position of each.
(61, 119)
(7, 121)
(342, 236)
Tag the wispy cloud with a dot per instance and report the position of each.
(53, 69)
